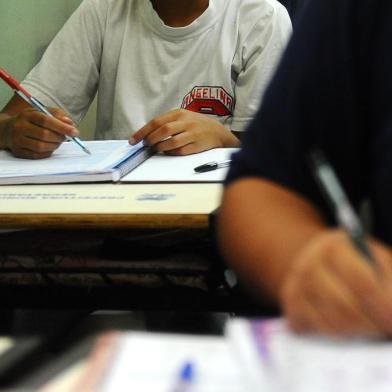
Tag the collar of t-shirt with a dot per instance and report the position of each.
(209, 17)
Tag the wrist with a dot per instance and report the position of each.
(228, 138)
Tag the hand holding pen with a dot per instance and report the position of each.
(29, 129)
(337, 283)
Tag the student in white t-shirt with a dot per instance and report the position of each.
(211, 60)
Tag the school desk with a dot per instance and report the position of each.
(108, 206)
(133, 246)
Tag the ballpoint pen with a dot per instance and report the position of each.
(32, 101)
(211, 166)
(335, 195)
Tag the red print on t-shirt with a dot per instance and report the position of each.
(209, 100)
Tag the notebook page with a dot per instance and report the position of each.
(69, 158)
(284, 361)
(166, 168)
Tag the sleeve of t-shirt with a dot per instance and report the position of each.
(259, 53)
(67, 75)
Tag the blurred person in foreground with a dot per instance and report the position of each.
(332, 91)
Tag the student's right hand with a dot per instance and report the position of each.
(331, 289)
(33, 135)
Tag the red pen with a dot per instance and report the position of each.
(14, 84)
(28, 98)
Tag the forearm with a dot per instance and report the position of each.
(262, 226)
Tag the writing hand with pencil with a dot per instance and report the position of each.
(183, 132)
(30, 132)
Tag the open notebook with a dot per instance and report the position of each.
(109, 161)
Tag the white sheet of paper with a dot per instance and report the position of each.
(275, 359)
(152, 362)
(165, 168)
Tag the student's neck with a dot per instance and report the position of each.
(179, 13)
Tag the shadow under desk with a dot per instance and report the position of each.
(173, 269)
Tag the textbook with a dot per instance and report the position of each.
(273, 358)
(109, 161)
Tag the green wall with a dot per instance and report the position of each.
(26, 28)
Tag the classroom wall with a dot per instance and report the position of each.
(26, 28)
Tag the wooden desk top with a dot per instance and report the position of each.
(108, 205)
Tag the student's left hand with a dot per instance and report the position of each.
(182, 132)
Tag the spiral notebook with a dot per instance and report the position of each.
(109, 161)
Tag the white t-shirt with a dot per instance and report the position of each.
(218, 65)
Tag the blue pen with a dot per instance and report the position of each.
(185, 378)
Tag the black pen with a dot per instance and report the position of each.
(344, 212)
(212, 166)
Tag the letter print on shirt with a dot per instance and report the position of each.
(209, 100)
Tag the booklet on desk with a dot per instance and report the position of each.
(109, 161)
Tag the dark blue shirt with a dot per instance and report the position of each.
(332, 90)
(293, 6)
